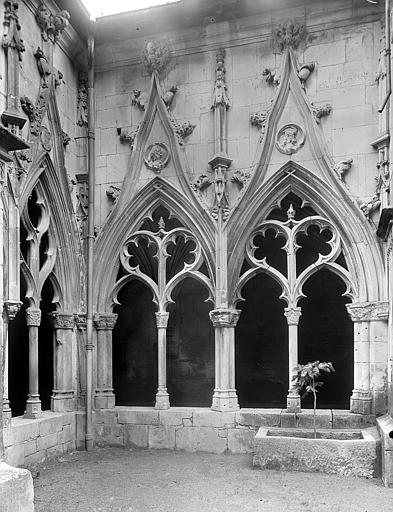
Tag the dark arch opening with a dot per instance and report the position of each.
(46, 346)
(326, 334)
(190, 346)
(18, 358)
(262, 345)
(135, 346)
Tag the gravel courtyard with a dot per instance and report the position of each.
(133, 480)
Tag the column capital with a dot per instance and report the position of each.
(368, 311)
(104, 321)
(293, 315)
(162, 319)
(61, 320)
(224, 317)
(11, 308)
(80, 321)
(33, 317)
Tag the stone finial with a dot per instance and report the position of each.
(343, 167)
(11, 36)
(288, 35)
(368, 207)
(156, 56)
(220, 96)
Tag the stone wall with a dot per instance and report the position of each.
(29, 442)
(343, 39)
(201, 429)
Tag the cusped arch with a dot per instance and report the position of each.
(118, 227)
(62, 228)
(359, 244)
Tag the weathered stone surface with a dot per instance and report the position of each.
(241, 440)
(112, 435)
(138, 415)
(305, 419)
(136, 435)
(16, 489)
(15, 455)
(175, 416)
(107, 416)
(345, 419)
(49, 425)
(48, 441)
(258, 417)
(162, 437)
(207, 418)
(343, 457)
(20, 432)
(204, 439)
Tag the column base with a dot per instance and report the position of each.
(33, 408)
(361, 402)
(16, 489)
(7, 414)
(62, 401)
(225, 400)
(104, 399)
(162, 399)
(293, 403)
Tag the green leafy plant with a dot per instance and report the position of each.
(308, 378)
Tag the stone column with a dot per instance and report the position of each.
(33, 404)
(104, 324)
(364, 315)
(11, 308)
(293, 315)
(63, 396)
(162, 396)
(224, 321)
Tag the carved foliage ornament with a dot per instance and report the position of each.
(12, 308)
(156, 156)
(33, 317)
(52, 26)
(290, 138)
(63, 320)
(220, 97)
(224, 317)
(288, 35)
(82, 115)
(105, 321)
(156, 56)
(162, 319)
(366, 311)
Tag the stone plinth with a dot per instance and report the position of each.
(16, 489)
(342, 454)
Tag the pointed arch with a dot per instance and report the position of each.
(360, 245)
(159, 192)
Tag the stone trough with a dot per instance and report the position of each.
(342, 452)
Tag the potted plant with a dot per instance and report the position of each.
(308, 378)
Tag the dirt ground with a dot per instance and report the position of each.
(133, 480)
